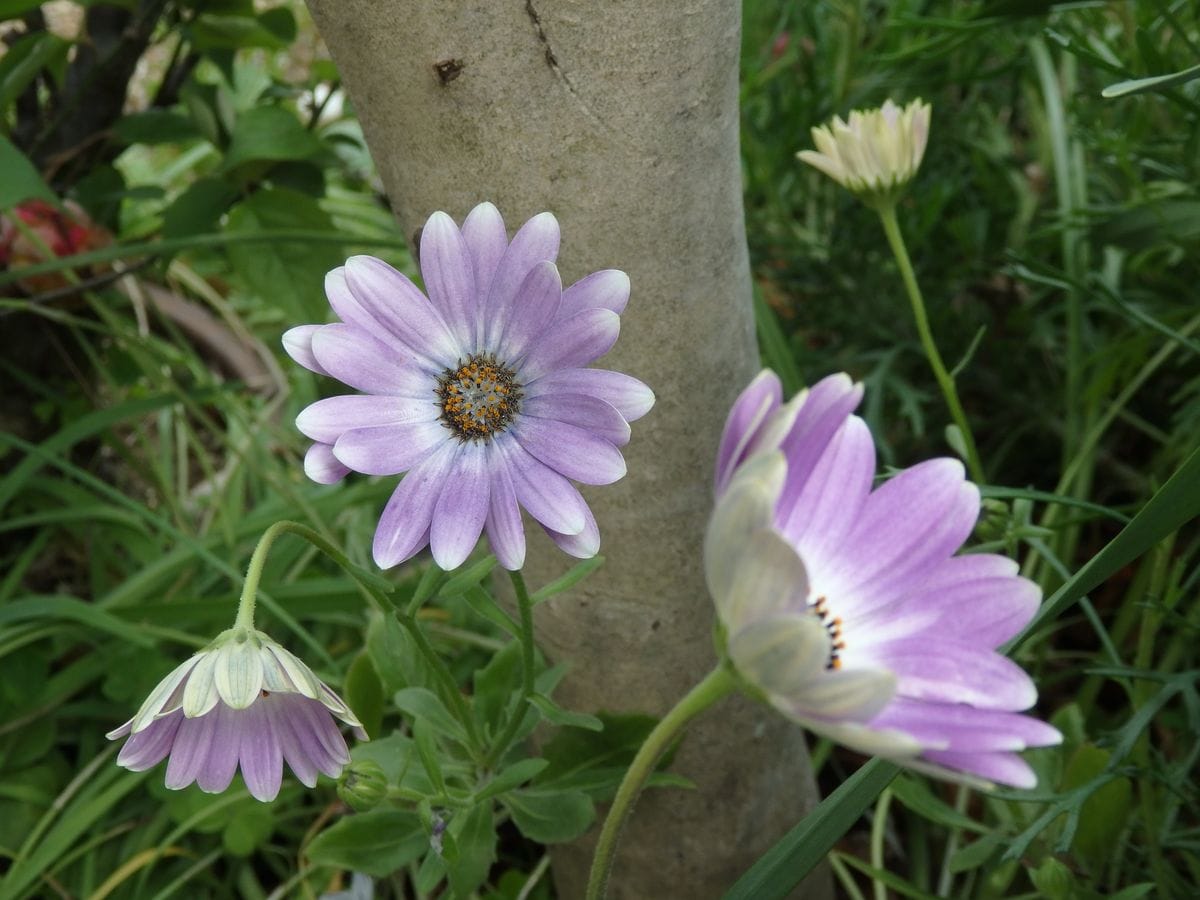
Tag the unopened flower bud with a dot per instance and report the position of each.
(362, 785)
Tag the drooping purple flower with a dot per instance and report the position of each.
(848, 608)
(243, 699)
(478, 391)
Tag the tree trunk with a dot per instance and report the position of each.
(621, 118)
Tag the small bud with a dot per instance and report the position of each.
(994, 523)
(875, 152)
(363, 785)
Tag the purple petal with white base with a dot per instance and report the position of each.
(477, 393)
(274, 724)
(846, 606)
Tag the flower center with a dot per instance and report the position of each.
(833, 624)
(480, 398)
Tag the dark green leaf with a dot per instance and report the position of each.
(287, 275)
(25, 60)
(422, 704)
(427, 750)
(976, 853)
(269, 133)
(377, 842)
(495, 685)
(574, 575)
(199, 208)
(279, 21)
(474, 835)
(468, 577)
(19, 180)
(156, 126)
(551, 817)
(586, 760)
(364, 693)
(559, 716)
(512, 777)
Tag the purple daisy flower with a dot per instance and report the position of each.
(479, 392)
(242, 699)
(846, 606)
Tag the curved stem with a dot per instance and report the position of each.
(891, 227)
(245, 613)
(525, 609)
(717, 684)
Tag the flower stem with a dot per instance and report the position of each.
(891, 227)
(525, 609)
(375, 588)
(246, 603)
(716, 685)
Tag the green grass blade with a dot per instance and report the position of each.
(782, 867)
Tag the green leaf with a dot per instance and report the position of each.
(269, 133)
(58, 608)
(475, 838)
(1105, 813)
(495, 685)
(551, 817)
(28, 57)
(582, 759)
(156, 126)
(559, 716)
(573, 576)
(233, 32)
(512, 777)
(486, 607)
(1153, 83)
(377, 842)
(427, 750)
(14, 9)
(363, 691)
(279, 21)
(19, 180)
(468, 577)
(916, 795)
(199, 208)
(784, 866)
(976, 853)
(288, 275)
(1175, 503)
(423, 705)
(248, 830)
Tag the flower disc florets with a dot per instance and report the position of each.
(479, 398)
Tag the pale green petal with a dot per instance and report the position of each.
(769, 579)
(858, 694)
(163, 698)
(239, 673)
(288, 670)
(885, 742)
(747, 505)
(780, 654)
(200, 695)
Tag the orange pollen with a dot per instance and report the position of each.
(833, 625)
(479, 398)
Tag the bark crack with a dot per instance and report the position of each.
(552, 62)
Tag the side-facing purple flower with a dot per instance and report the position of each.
(479, 392)
(242, 699)
(847, 608)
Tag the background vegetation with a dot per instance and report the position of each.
(214, 176)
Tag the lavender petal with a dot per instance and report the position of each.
(462, 508)
(571, 343)
(627, 395)
(588, 413)
(571, 451)
(606, 289)
(449, 275)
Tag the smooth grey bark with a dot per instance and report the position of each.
(621, 118)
